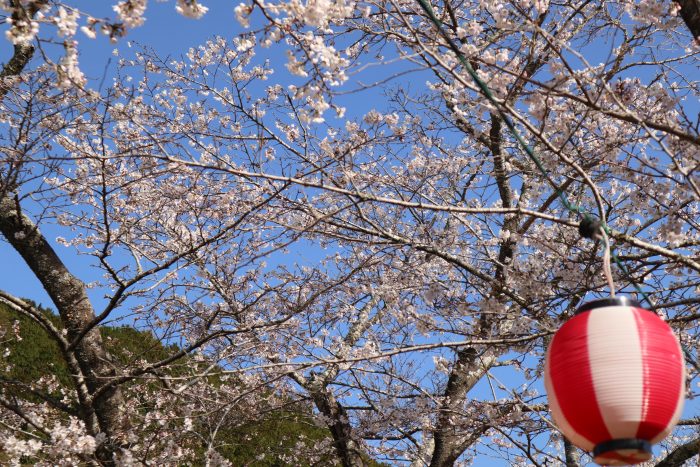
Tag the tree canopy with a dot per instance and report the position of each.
(34, 363)
(368, 208)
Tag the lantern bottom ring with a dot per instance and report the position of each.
(622, 451)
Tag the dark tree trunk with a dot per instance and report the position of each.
(450, 442)
(681, 454)
(690, 12)
(346, 447)
(105, 413)
(571, 453)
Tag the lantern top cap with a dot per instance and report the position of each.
(619, 300)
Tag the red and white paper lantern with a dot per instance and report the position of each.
(615, 380)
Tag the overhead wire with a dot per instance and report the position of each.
(529, 150)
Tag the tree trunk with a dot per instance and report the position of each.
(690, 12)
(470, 367)
(105, 413)
(572, 455)
(681, 454)
(346, 447)
(449, 441)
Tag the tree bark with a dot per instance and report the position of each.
(105, 413)
(682, 453)
(449, 441)
(690, 12)
(470, 367)
(571, 454)
(22, 52)
(507, 249)
(346, 447)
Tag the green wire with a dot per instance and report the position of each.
(533, 156)
(523, 144)
(506, 119)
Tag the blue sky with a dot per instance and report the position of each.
(167, 33)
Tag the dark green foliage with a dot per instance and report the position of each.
(276, 435)
(36, 355)
(127, 344)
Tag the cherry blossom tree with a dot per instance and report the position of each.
(360, 230)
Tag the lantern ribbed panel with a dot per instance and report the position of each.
(615, 359)
(664, 373)
(615, 373)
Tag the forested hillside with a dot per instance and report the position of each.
(267, 439)
(347, 231)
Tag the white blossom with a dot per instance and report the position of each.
(242, 12)
(131, 12)
(21, 31)
(67, 21)
(191, 9)
(68, 71)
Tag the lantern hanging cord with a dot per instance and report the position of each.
(606, 263)
(587, 219)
